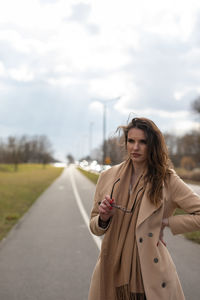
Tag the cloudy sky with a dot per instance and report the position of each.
(60, 58)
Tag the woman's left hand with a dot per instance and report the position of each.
(165, 223)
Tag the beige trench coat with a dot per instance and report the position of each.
(158, 270)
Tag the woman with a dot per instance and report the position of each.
(134, 201)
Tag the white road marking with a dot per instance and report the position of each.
(82, 210)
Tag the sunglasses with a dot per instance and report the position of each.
(115, 205)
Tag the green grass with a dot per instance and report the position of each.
(92, 176)
(18, 190)
(193, 236)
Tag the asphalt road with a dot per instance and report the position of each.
(50, 254)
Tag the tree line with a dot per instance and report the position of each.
(184, 151)
(26, 149)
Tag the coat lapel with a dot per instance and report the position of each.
(147, 208)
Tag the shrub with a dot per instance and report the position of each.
(187, 163)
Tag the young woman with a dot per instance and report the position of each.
(134, 201)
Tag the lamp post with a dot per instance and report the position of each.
(104, 103)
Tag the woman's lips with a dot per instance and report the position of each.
(135, 154)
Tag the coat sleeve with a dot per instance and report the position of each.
(94, 218)
(183, 197)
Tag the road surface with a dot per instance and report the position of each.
(50, 254)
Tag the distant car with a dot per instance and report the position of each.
(60, 164)
(95, 167)
(106, 167)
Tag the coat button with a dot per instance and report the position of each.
(164, 284)
(150, 234)
(155, 260)
(140, 240)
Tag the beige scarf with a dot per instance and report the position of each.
(120, 270)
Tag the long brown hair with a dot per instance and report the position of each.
(158, 162)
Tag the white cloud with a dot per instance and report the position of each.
(149, 112)
(48, 2)
(62, 81)
(180, 127)
(110, 86)
(2, 69)
(80, 12)
(21, 74)
(96, 106)
(185, 91)
(15, 40)
(73, 52)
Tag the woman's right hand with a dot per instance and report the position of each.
(106, 211)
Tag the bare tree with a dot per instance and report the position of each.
(2, 151)
(26, 149)
(70, 158)
(171, 142)
(44, 150)
(115, 150)
(187, 163)
(188, 145)
(196, 105)
(13, 151)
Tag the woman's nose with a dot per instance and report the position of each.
(136, 146)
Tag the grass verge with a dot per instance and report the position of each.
(92, 176)
(193, 236)
(18, 190)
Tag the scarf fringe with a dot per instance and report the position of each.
(123, 293)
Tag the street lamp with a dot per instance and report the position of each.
(104, 103)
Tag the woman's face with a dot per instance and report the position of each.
(137, 146)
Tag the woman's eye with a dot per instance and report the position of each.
(130, 141)
(140, 141)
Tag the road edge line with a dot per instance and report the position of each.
(83, 212)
